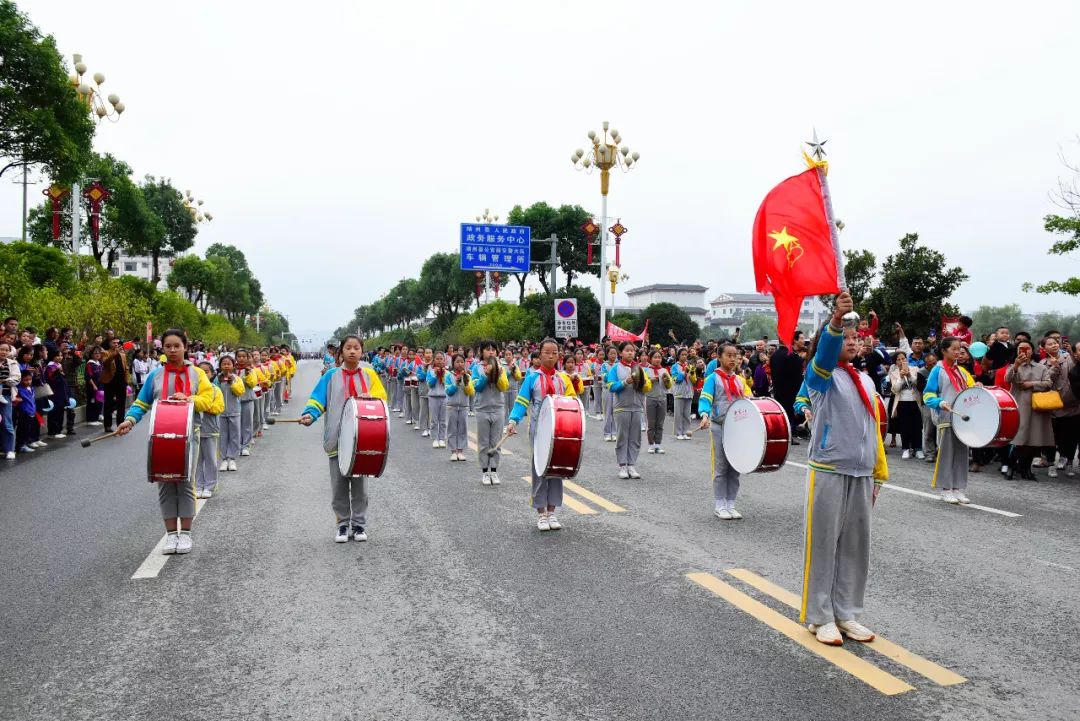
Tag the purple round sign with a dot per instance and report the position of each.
(566, 309)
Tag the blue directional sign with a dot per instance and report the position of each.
(489, 246)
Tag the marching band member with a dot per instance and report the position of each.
(425, 409)
(610, 362)
(348, 496)
(232, 390)
(206, 467)
(628, 384)
(278, 361)
(270, 371)
(402, 374)
(250, 376)
(258, 417)
(176, 380)
(847, 468)
(437, 381)
(721, 389)
(656, 400)
(547, 492)
(392, 370)
(684, 375)
(596, 402)
(489, 384)
(944, 383)
(459, 389)
(513, 370)
(411, 401)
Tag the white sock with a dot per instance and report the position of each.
(721, 504)
(731, 504)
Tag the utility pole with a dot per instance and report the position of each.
(554, 261)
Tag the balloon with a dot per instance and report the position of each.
(99, 396)
(48, 407)
(129, 345)
(71, 403)
(978, 349)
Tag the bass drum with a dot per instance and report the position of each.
(559, 438)
(757, 435)
(993, 418)
(171, 448)
(364, 437)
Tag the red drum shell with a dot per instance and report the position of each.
(371, 431)
(567, 439)
(883, 415)
(749, 448)
(171, 446)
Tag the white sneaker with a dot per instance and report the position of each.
(960, 497)
(232, 464)
(485, 479)
(1061, 463)
(266, 426)
(611, 439)
(171, 539)
(1004, 468)
(828, 634)
(27, 449)
(60, 435)
(38, 444)
(723, 514)
(245, 452)
(1038, 462)
(442, 444)
(633, 472)
(660, 450)
(434, 444)
(542, 522)
(949, 497)
(208, 493)
(494, 478)
(10, 455)
(1070, 471)
(342, 534)
(920, 455)
(652, 448)
(426, 434)
(1052, 472)
(184, 543)
(623, 473)
(906, 454)
(855, 631)
(735, 515)
(359, 534)
(553, 522)
(224, 466)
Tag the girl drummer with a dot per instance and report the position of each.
(459, 391)
(547, 491)
(628, 384)
(176, 380)
(489, 384)
(656, 400)
(348, 496)
(722, 388)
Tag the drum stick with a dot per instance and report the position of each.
(492, 451)
(90, 441)
(272, 421)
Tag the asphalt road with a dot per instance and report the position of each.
(458, 608)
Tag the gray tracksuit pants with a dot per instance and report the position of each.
(655, 415)
(399, 399)
(682, 416)
(628, 440)
(177, 500)
(247, 423)
(597, 397)
(425, 414)
(725, 480)
(457, 427)
(951, 468)
(836, 546)
(929, 430)
(438, 417)
(411, 407)
(229, 442)
(208, 463)
(509, 398)
(609, 412)
(279, 389)
(348, 496)
(546, 490)
(489, 426)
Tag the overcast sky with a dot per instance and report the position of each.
(338, 144)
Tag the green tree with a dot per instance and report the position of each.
(632, 322)
(666, 319)
(860, 269)
(171, 310)
(217, 331)
(543, 305)
(445, 287)
(988, 318)
(916, 284)
(239, 294)
(565, 222)
(44, 265)
(197, 278)
(143, 288)
(405, 303)
(757, 326)
(178, 222)
(42, 119)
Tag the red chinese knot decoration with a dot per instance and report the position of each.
(56, 196)
(96, 194)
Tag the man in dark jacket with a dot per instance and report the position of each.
(114, 378)
(787, 376)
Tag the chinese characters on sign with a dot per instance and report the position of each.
(489, 246)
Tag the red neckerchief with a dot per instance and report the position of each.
(730, 382)
(547, 381)
(862, 390)
(954, 375)
(657, 369)
(183, 381)
(350, 382)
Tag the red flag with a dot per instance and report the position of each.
(793, 252)
(616, 333)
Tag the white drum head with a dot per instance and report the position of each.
(346, 448)
(744, 436)
(984, 416)
(544, 436)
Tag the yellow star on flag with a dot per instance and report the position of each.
(783, 239)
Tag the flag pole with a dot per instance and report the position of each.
(816, 160)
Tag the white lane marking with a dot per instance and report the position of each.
(153, 564)
(933, 496)
(1053, 565)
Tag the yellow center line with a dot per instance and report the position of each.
(571, 502)
(899, 654)
(865, 671)
(590, 496)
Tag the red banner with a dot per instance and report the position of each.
(616, 333)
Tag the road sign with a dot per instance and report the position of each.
(566, 318)
(489, 246)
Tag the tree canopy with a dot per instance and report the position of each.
(565, 222)
(178, 224)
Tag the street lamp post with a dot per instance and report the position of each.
(102, 107)
(487, 217)
(606, 154)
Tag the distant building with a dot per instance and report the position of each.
(732, 309)
(141, 266)
(691, 298)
